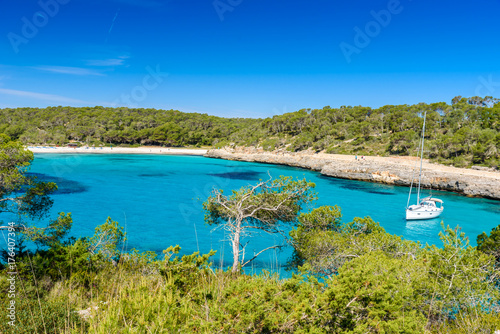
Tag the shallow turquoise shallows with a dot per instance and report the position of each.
(158, 199)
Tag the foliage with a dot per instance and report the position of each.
(13, 161)
(374, 294)
(490, 244)
(463, 133)
(101, 126)
(76, 260)
(55, 231)
(461, 279)
(323, 243)
(184, 271)
(325, 218)
(108, 240)
(61, 261)
(440, 284)
(19, 193)
(34, 315)
(439, 290)
(263, 207)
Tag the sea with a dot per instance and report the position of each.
(158, 200)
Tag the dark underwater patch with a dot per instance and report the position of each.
(246, 175)
(155, 174)
(495, 208)
(332, 180)
(358, 186)
(64, 186)
(380, 192)
(121, 159)
(364, 188)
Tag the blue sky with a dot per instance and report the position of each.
(246, 58)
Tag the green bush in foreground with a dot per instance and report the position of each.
(439, 290)
(38, 313)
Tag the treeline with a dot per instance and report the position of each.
(465, 133)
(99, 125)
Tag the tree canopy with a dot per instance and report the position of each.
(463, 133)
(262, 207)
(24, 199)
(490, 244)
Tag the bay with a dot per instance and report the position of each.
(158, 199)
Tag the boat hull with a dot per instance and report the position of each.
(421, 213)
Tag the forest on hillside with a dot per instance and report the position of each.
(463, 133)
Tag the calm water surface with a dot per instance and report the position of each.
(159, 201)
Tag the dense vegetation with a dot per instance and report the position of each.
(464, 133)
(351, 277)
(435, 290)
(98, 125)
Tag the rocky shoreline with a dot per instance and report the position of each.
(389, 170)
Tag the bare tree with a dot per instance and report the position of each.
(262, 207)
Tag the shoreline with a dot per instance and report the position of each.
(388, 170)
(118, 150)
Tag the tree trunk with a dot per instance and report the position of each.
(236, 250)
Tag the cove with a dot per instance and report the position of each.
(158, 199)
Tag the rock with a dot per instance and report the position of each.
(485, 169)
(480, 183)
(87, 313)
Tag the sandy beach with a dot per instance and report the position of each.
(118, 150)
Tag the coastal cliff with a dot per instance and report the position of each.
(389, 170)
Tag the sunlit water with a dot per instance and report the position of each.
(158, 199)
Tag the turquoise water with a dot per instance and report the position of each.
(159, 201)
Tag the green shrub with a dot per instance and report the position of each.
(34, 314)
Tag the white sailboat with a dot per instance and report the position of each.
(428, 207)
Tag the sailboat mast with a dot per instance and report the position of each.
(421, 159)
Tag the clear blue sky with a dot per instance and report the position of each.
(246, 58)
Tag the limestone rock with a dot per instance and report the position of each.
(481, 183)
